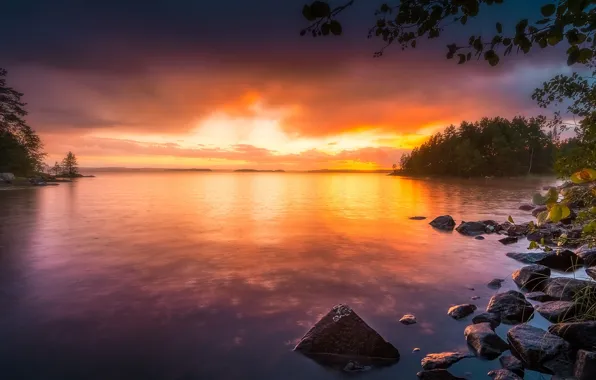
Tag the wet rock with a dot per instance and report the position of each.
(513, 364)
(416, 349)
(540, 297)
(408, 319)
(461, 311)
(474, 298)
(578, 334)
(587, 254)
(511, 307)
(538, 210)
(508, 240)
(515, 229)
(564, 260)
(356, 367)
(557, 311)
(443, 360)
(437, 374)
(495, 283)
(548, 233)
(342, 332)
(503, 374)
(444, 222)
(479, 237)
(490, 318)
(484, 341)
(531, 277)
(564, 288)
(591, 272)
(540, 350)
(491, 225)
(417, 217)
(526, 207)
(585, 365)
(471, 228)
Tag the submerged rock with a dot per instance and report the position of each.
(503, 374)
(443, 360)
(540, 297)
(531, 277)
(557, 311)
(444, 222)
(540, 350)
(417, 217)
(587, 254)
(461, 311)
(578, 334)
(564, 260)
(484, 341)
(472, 228)
(508, 240)
(585, 365)
(526, 207)
(490, 318)
(513, 364)
(495, 283)
(437, 374)
(511, 307)
(342, 332)
(408, 319)
(564, 288)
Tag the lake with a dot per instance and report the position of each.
(183, 276)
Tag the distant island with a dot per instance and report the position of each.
(188, 170)
(258, 171)
(348, 171)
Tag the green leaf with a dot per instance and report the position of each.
(548, 10)
(533, 245)
(507, 41)
(499, 28)
(462, 58)
(572, 55)
(510, 220)
(585, 55)
(555, 214)
(320, 9)
(541, 218)
(583, 176)
(307, 13)
(464, 19)
(336, 28)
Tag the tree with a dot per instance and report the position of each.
(69, 165)
(56, 169)
(20, 147)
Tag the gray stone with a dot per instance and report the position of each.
(557, 311)
(540, 350)
(511, 307)
(417, 217)
(513, 364)
(495, 283)
(565, 288)
(444, 222)
(492, 319)
(437, 374)
(472, 228)
(526, 207)
(443, 360)
(8, 177)
(408, 319)
(587, 254)
(479, 237)
(539, 296)
(578, 334)
(503, 374)
(484, 341)
(461, 311)
(508, 240)
(564, 260)
(342, 332)
(531, 277)
(585, 365)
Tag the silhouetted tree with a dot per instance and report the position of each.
(56, 169)
(70, 165)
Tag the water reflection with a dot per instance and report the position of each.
(213, 275)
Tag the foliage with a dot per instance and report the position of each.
(20, 147)
(56, 169)
(490, 147)
(70, 165)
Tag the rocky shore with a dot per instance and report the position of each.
(9, 180)
(566, 350)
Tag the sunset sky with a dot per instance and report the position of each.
(231, 84)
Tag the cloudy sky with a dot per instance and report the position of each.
(229, 84)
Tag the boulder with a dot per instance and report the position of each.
(443, 360)
(513, 364)
(540, 350)
(342, 332)
(444, 222)
(578, 334)
(511, 307)
(531, 277)
(526, 207)
(585, 365)
(508, 240)
(503, 374)
(461, 311)
(557, 311)
(538, 210)
(564, 260)
(490, 318)
(565, 288)
(591, 272)
(484, 341)
(408, 319)
(514, 229)
(472, 228)
(548, 233)
(479, 237)
(7, 177)
(437, 374)
(587, 254)
(417, 217)
(356, 367)
(540, 297)
(495, 283)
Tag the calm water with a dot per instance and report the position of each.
(187, 276)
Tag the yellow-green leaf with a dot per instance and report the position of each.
(510, 219)
(541, 217)
(533, 245)
(555, 213)
(583, 176)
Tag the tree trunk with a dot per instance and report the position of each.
(531, 159)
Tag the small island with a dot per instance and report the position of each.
(188, 170)
(258, 171)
